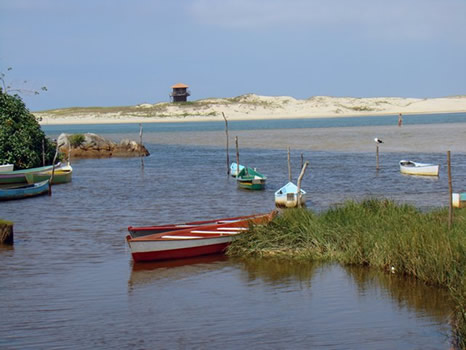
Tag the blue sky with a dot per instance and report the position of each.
(119, 52)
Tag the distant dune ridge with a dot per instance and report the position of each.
(251, 106)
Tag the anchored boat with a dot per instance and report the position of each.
(287, 196)
(19, 176)
(185, 243)
(251, 179)
(62, 174)
(414, 168)
(24, 191)
(150, 230)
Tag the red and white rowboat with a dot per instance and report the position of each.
(149, 230)
(194, 241)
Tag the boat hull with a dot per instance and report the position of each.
(149, 230)
(251, 185)
(421, 169)
(165, 250)
(190, 242)
(287, 196)
(251, 179)
(59, 177)
(19, 176)
(289, 200)
(6, 167)
(26, 191)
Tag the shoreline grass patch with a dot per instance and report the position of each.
(376, 233)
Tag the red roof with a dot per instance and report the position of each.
(179, 86)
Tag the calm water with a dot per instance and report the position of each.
(219, 125)
(69, 281)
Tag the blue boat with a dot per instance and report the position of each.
(234, 169)
(24, 191)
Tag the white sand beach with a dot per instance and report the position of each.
(250, 107)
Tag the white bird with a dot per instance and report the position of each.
(378, 140)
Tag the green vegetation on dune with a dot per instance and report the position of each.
(166, 109)
(378, 233)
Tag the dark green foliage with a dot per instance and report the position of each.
(21, 136)
(76, 140)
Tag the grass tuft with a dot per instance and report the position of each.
(376, 233)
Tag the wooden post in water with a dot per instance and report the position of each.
(289, 165)
(237, 156)
(450, 192)
(227, 146)
(377, 156)
(43, 153)
(302, 160)
(303, 170)
(53, 170)
(140, 145)
(140, 134)
(6, 232)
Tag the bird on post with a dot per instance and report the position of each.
(377, 140)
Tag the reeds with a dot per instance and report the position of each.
(377, 233)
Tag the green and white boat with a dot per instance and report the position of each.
(19, 176)
(61, 175)
(251, 179)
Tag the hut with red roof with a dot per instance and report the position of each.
(180, 93)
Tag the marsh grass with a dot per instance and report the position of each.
(376, 233)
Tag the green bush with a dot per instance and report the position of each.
(21, 137)
(76, 140)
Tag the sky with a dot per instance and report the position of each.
(123, 53)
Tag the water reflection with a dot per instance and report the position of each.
(281, 302)
(406, 292)
(150, 272)
(275, 272)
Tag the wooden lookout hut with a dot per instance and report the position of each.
(180, 93)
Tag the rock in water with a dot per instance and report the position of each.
(96, 146)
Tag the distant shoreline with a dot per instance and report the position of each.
(253, 107)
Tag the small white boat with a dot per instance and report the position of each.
(413, 168)
(235, 169)
(459, 200)
(6, 167)
(287, 196)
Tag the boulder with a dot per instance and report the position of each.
(96, 146)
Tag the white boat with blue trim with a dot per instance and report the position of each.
(287, 196)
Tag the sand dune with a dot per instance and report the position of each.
(252, 106)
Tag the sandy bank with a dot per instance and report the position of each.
(252, 107)
(427, 138)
